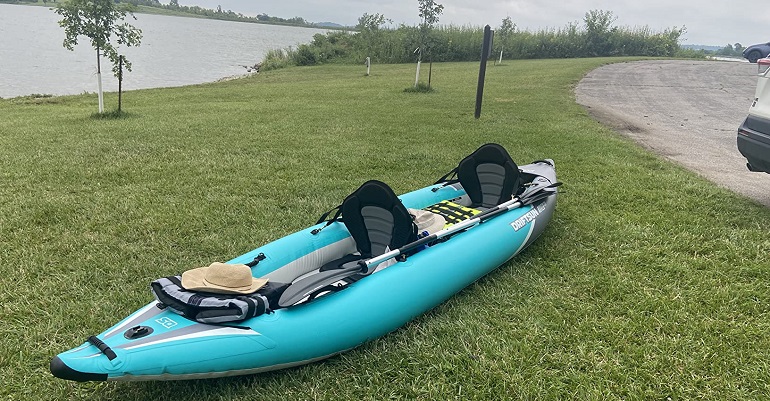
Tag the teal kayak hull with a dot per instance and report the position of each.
(177, 348)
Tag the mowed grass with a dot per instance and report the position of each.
(650, 283)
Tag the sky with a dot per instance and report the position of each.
(714, 22)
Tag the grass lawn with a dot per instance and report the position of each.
(650, 284)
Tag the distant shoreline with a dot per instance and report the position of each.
(143, 9)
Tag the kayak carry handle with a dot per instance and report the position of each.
(104, 348)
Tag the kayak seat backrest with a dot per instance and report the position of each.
(377, 220)
(489, 176)
(379, 224)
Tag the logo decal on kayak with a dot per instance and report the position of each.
(528, 217)
(166, 322)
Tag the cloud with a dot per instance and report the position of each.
(712, 23)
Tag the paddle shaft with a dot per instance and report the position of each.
(503, 207)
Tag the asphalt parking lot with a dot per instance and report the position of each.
(686, 111)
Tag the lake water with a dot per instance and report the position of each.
(175, 51)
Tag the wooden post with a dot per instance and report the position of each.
(120, 81)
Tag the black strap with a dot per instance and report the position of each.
(323, 217)
(256, 260)
(448, 177)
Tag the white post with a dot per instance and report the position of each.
(418, 51)
(99, 81)
(501, 57)
(417, 77)
(101, 94)
(368, 65)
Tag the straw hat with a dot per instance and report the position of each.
(427, 221)
(222, 278)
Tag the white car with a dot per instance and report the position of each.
(754, 133)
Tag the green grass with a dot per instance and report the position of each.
(420, 88)
(650, 284)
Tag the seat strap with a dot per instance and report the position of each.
(337, 212)
(448, 178)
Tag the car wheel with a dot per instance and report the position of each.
(753, 56)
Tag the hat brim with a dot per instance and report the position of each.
(195, 280)
(438, 224)
(437, 221)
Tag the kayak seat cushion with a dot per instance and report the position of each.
(377, 220)
(489, 176)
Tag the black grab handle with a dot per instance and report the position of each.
(106, 350)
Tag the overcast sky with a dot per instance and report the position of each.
(709, 22)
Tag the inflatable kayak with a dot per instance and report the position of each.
(491, 212)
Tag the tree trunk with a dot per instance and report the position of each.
(430, 71)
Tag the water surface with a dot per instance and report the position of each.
(175, 51)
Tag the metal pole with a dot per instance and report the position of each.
(483, 68)
(120, 81)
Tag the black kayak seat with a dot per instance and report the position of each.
(377, 221)
(489, 176)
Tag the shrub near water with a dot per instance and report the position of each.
(275, 59)
(596, 37)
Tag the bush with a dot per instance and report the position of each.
(306, 55)
(595, 37)
(275, 59)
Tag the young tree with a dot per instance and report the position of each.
(369, 30)
(598, 32)
(371, 22)
(102, 22)
(429, 13)
(504, 34)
